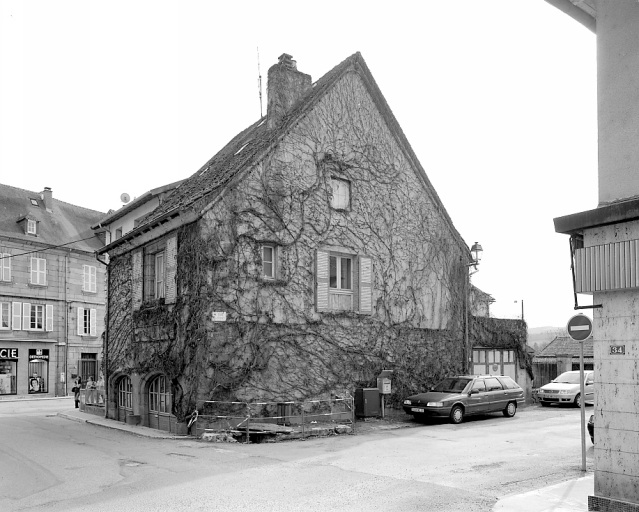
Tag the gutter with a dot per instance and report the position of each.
(105, 347)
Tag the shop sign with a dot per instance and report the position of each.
(8, 353)
(42, 354)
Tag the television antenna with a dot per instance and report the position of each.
(259, 80)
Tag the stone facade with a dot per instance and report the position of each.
(282, 293)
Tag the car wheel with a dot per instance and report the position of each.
(510, 410)
(577, 401)
(544, 404)
(457, 414)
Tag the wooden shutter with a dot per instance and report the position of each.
(5, 264)
(16, 321)
(171, 268)
(93, 327)
(137, 278)
(93, 279)
(34, 272)
(80, 321)
(321, 280)
(85, 271)
(26, 316)
(365, 285)
(43, 270)
(49, 318)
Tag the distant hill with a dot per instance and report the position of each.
(539, 337)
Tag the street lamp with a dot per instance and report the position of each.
(477, 251)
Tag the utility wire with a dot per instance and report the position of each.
(40, 250)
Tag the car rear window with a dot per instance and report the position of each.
(508, 383)
(492, 384)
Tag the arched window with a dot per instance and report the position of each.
(159, 395)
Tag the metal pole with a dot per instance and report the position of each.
(583, 405)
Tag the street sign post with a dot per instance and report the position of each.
(580, 328)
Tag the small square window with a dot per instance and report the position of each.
(269, 255)
(34, 202)
(341, 198)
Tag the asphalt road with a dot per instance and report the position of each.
(50, 463)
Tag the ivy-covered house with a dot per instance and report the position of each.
(307, 255)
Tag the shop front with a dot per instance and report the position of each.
(25, 371)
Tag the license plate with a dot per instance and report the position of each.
(415, 409)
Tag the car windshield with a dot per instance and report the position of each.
(568, 378)
(451, 385)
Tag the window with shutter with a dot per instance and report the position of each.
(5, 315)
(321, 276)
(365, 284)
(38, 271)
(49, 317)
(80, 321)
(343, 282)
(5, 267)
(26, 316)
(16, 317)
(93, 323)
(89, 278)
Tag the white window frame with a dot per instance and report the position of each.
(338, 273)
(341, 194)
(5, 267)
(87, 322)
(5, 316)
(89, 278)
(32, 227)
(30, 316)
(272, 261)
(38, 271)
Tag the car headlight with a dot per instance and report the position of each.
(435, 404)
(407, 402)
(563, 392)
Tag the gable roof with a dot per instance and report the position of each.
(65, 223)
(565, 345)
(251, 145)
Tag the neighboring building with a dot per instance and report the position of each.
(605, 248)
(52, 294)
(563, 354)
(119, 222)
(480, 302)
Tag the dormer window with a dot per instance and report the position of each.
(31, 227)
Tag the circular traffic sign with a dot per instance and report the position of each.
(579, 327)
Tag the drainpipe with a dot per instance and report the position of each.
(105, 346)
(66, 326)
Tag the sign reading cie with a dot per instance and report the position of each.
(8, 353)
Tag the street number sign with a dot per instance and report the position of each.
(579, 327)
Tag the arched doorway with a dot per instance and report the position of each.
(160, 404)
(125, 398)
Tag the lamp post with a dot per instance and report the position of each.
(476, 251)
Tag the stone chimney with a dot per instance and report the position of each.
(47, 197)
(286, 85)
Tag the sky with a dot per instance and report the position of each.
(497, 99)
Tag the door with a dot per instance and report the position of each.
(160, 404)
(125, 398)
(497, 396)
(589, 387)
(478, 399)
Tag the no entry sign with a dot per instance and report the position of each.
(579, 327)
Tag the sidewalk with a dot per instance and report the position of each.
(138, 430)
(569, 496)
